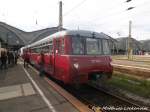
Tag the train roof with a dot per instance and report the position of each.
(81, 33)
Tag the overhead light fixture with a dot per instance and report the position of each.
(128, 0)
(130, 8)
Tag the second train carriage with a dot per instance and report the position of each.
(74, 56)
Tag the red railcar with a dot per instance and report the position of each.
(74, 56)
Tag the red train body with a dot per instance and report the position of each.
(73, 56)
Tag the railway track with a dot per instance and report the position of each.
(99, 99)
(74, 91)
(124, 102)
(107, 91)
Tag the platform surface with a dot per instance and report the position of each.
(19, 94)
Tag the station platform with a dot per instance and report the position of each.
(23, 90)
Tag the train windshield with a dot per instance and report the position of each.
(106, 49)
(90, 46)
(78, 46)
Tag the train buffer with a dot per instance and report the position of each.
(22, 90)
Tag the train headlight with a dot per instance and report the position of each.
(76, 65)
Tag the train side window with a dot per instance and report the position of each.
(45, 49)
(38, 50)
(32, 50)
(62, 46)
(35, 50)
(50, 47)
(100, 46)
(57, 47)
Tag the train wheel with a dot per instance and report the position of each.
(99, 79)
(102, 81)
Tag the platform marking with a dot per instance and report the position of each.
(14, 91)
(40, 91)
(75, 102)
(132, 67)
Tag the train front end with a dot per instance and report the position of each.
(90, 59)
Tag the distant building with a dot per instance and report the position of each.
(122, 45)
(146, 45)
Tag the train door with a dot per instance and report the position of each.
(57, 56)
(51, 62)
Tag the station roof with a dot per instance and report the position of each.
(16, 36)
